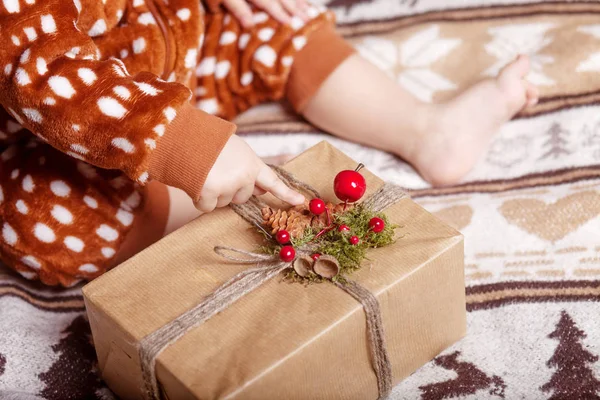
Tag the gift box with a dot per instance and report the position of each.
(282, 340)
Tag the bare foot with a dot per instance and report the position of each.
(459, 130)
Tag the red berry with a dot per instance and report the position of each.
(287, 254)
(282, 237)
(354, 240)
(315, 256)
(344, 228)
(376, 224)
(349, 186)
(317, 206)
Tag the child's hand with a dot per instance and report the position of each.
(237, 174)
(281, 10)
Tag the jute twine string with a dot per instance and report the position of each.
(268, 267)
(388, 195)
(250, 211)
(292, 181)
(227, 294)
(375, 335)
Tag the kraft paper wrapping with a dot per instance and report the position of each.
(283, 340)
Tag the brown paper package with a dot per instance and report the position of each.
(282, 341)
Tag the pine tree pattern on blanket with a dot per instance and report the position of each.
(530, 211)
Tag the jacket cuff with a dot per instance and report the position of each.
(324, 52)
(190, 146)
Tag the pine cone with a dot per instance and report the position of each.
(298, 218)
(295, 220)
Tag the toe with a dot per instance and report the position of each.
(518, 69)
(517, 91)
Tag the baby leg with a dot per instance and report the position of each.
(442, 141)
(337, 90)
(243, 67)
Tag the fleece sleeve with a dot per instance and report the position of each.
(54, 83)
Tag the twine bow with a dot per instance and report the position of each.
(266, 268)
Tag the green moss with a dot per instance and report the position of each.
(309, 235)
(268, 249)
(351, 256)
(337, 244)
(292, 277)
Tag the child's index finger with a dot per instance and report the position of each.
(269, 181)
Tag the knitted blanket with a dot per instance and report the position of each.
(530, 211)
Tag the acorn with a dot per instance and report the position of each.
(326, 266)
(303, 266)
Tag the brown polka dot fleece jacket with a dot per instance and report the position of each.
(98, 98)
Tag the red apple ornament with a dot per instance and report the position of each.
(317, 206)
(287, 254)
(350, 186)
(376, 224)
(344, 228)
(354, 240)
(283, 237)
